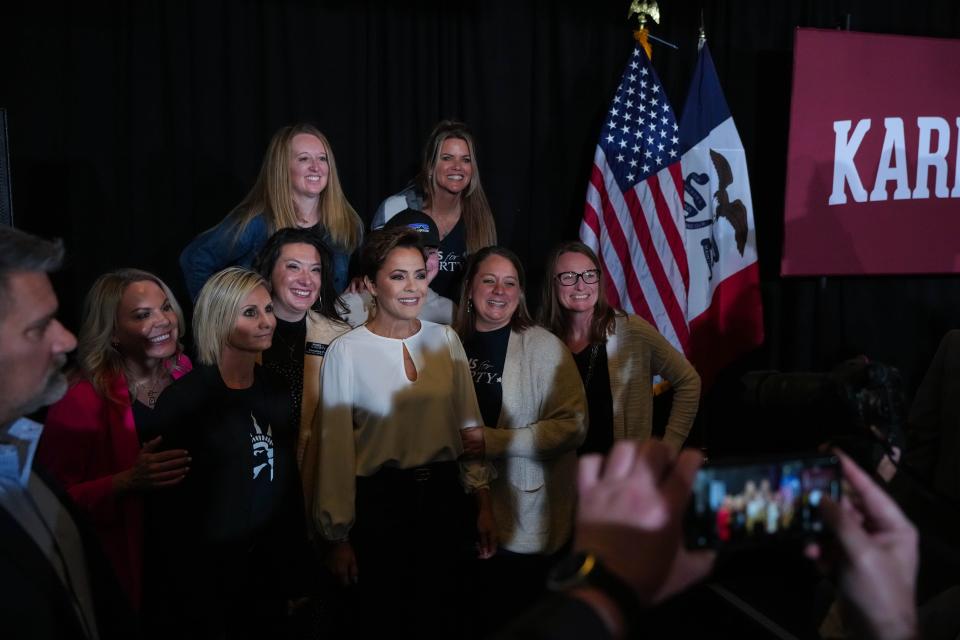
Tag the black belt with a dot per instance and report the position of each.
(423, 473)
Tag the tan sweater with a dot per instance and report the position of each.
(533, 448)
(321, 331)
(636, 352)
(371, 414)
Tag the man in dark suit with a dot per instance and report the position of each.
(54, 580)
(928, 483)
(933, 432)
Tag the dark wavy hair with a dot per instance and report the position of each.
(378, 245)
(329, 303)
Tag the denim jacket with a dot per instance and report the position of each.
(220, 247)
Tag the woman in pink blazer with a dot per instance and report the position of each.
(128, 352)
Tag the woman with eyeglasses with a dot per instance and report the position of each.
(617, 355)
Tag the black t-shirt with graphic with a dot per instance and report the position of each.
(285, 359)
(486, 352)
(243, 470)
(592, 365)
(453, 256)
(235, 526)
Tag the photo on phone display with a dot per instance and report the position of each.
(737, 504)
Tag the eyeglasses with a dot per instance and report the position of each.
(569, 278)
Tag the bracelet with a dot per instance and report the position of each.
(584, 569)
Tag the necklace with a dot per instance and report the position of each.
(593, 359)
(286, 343)
(291, 347)
(152, 386)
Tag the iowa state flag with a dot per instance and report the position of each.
(724, 310)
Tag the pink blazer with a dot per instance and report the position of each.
(86, 440)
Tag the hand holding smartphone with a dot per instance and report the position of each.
(747, 503)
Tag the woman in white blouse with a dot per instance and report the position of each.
(390, 492)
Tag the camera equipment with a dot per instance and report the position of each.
(738, 504)
(858, 406)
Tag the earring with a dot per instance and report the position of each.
(469, 305)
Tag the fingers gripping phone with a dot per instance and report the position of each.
(744, 503)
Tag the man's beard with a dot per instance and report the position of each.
(52, 391)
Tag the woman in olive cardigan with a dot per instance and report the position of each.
(618, 355)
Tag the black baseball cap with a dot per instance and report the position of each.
(419, 222)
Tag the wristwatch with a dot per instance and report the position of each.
(584, 569)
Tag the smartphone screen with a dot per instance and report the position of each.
(747, 503)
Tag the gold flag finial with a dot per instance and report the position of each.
(644, 9)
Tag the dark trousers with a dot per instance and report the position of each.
(509, 584)
(413, 540)
(224, 593)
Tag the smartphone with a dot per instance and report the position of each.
(744, 503)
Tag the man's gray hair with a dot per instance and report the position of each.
(20, 252)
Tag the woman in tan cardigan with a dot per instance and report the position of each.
(534, 407)
(617, 354)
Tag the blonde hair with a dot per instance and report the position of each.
(217, 307)
(481, 230)
(272, 194)
(97, 358)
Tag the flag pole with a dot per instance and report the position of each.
(702, 37)
(645, 9)
(662, 41)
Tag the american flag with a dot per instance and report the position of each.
(633, 217)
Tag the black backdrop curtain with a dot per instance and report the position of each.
(135, 125)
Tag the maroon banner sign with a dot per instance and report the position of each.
(872, 180)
